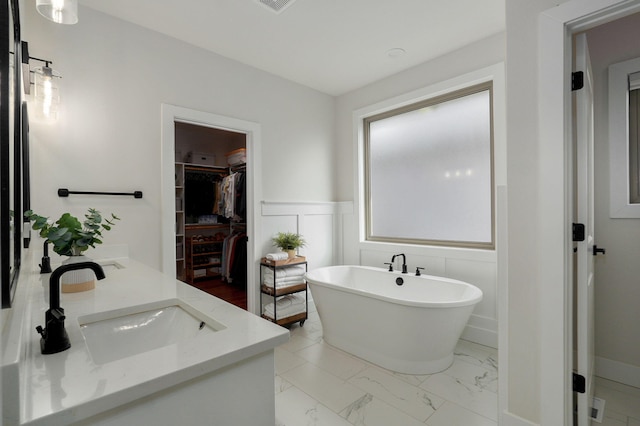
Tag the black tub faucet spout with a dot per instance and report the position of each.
(404, 262)
(54, 336)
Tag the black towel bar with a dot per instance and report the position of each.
(64, 192)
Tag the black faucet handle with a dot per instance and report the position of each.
(418, 271)
(390, 266)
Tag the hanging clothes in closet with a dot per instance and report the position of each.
(234, 259)
(232, 202)
(201, 193)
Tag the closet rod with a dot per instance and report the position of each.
(64, 192)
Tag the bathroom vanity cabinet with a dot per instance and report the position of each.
(281, 290)
(223, 376)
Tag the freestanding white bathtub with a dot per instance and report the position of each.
(409, 328)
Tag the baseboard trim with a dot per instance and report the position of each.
(618, 371)
(509, 419)
(481, 336)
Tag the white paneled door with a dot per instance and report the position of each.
(586, 249)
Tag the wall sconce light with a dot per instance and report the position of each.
(59, 11)
(46, 94)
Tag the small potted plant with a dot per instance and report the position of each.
(289, 242)
(72, 238)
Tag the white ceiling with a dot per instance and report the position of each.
(334, 46)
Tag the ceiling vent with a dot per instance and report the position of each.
(277, 6)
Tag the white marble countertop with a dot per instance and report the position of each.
(68, 386)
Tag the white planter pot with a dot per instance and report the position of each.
(79, 280)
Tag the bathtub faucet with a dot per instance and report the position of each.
(404, 262)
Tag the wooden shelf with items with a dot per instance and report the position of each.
(204, 168)
(203, 258)
(285, 262)
(275, 292)
(302, 317)
(201, 226)
(283, 291)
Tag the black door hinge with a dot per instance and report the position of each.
(578, 232)
(577, 80)
(579, 383)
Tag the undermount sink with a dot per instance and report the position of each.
(122, 333)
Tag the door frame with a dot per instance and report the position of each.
(555, 214)
(170, 114)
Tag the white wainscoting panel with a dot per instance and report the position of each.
(273, 224)
(480, 274)
(318, 230)
(320, 223)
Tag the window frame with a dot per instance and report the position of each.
(634, 146)
(446, 96)
(620, 154)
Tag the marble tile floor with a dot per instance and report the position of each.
(319, 385)
(622, 403)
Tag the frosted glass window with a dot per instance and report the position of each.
(429, 171)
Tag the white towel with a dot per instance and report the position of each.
(284, 282)
(287, 306)
(277, 256)
(289, 271)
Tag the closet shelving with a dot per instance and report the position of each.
(180, 236)
(204, 258)
(200, 257)
(184, 230)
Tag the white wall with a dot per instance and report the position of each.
(476, 266)
(472, 57)
(523, 162)
(617, 289)
(115, 77)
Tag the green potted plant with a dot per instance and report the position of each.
(72, 238)
(289, 242)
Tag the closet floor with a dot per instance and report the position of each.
(229, 292)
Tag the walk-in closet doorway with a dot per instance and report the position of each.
(211, 237)
(209, 214)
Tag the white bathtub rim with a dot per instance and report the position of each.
(475, 299)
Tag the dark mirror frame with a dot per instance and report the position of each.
(10, 186)
(26, 177)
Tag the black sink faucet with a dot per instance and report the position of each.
(404, 262)
(54, 336)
